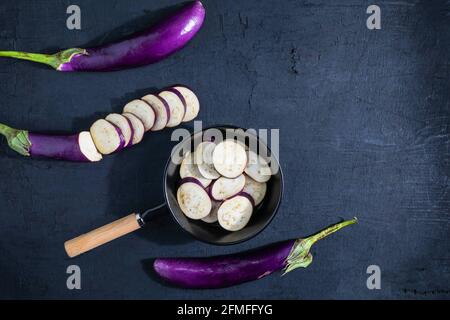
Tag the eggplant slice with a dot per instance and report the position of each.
(257, 190)
(258, 168)
(192, 103)
(188, 169)
(204, 161)
(212, 216)
(176, 106)
(107, 137)
(193, 200)
(87, 147)
(123, 124)
(235, 213)
(229, 158)
(162, 111)
(224, 188)
(143, 111)
(138, 127)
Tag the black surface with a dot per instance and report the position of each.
(364, 119)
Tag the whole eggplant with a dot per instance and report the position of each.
(229, 270)
(150, 46)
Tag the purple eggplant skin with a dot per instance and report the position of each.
(130, 143)
(150, 46)
(56, 147)
(229, 270)
(245, 195)
(180, 96)
(191, 180)
(224, 271)
(121, 137)
(44, 146)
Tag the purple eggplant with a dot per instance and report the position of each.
(150, 46)
(78, 148)
(230, 270)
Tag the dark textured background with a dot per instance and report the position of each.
(364, 118)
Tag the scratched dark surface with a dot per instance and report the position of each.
(364, 118)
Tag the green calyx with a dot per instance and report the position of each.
(53, 60)
(17, 139)
(300, 256)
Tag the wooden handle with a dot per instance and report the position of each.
(102, 235)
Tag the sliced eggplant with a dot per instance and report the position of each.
(212, 216)
(229, 158)
(176, 107)
(188, 168)
(123, 124)
(192, 103)
(224, 188)
(246, 195)
(162, 111)
(107, 137)
(258, 168)
(179, 96)
(255, 189)
(193, 200)
(138, 127)
(132, 132)
(204, 161)
(235, 213)
(143, 111)
(87, 147)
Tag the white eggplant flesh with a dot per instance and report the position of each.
(106, 136)
(162, 111)
(192, 103)
(257, 190)
(235, 213)
(229, 158)
(224, 188)
(212, 216)
(204, 160)
(88, 148)
(123, 124)
(258, 168)
(188, 169)
(138, 127)
(176, 106)
(193, 200)
(143, 111)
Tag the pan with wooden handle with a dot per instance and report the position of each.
(206, 232)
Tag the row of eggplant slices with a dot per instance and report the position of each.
(153, 112)
(222, 182)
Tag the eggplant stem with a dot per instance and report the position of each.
(17, 139)
(332, 229)
(300, 257)
(53, 60)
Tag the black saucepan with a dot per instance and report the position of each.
(209, 233)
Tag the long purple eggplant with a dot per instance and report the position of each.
(78, 147)
(150, 46)
(230, 270)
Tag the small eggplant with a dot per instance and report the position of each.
(230, 270)
(150, 46)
